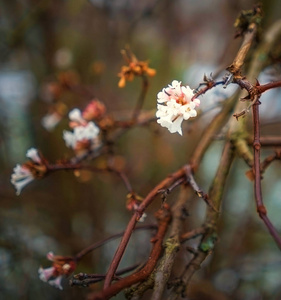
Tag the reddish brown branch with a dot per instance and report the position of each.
(197, 190)
(262, 88)
(73, 166)
(267, 161)
(131, 225)
(83, 279)
(209, 84)
(192, 234)
(140, 102)
(257, 172)
(120, 251)
(98, 244)
(268, 141)
(164, 217)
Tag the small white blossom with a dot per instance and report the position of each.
(21, 177)
(62, 266)
(56, 282)
(33, 154)
(75, 115)
(81, 133)
(175, 105)
(46, 274)
(50, 121)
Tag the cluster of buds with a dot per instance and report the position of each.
(62, 266)
(175, 104)
(85, 134)
(34, 168)
(134, 68)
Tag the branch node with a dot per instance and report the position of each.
(262, 210)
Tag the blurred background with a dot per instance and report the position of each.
(63, 213)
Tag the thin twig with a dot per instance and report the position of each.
(80, 166)
(192, 234)
(216, 124)
(191, 181)
(98, 244)
(268, 141)
(209, 84)
(163, 216)
(262, 88)
(83, 279)
(170, 180)
(209, 227)
(140, 102)
(267, 161)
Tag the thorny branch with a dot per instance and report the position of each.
(207, 230)
(163, 216)
(258, 190)
(210, 225)
(130, 227)
(254, 93)
(157, 270)
(96, 245)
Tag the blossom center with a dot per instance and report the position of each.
(181, 99)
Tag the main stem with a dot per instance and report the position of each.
(258, 191)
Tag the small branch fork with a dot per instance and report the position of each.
(96, 245)
(254, 91)
(209, 83)
(163, 216)
(170, 180)
(191, 181)
(267, 161)
(84, 280)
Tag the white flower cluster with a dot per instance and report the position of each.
(47, 273)
(84, 134)
(175, 104)
(50, 121)
(50, 275)
(22, 174)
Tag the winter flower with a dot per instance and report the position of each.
(94, 110)
(33, 154)
(175, 104)
(62, 266)
(50, 121)
(27, 172)
(21, 177)
(82, 137)
(54, 116)
(134, 68)
(76, 118)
